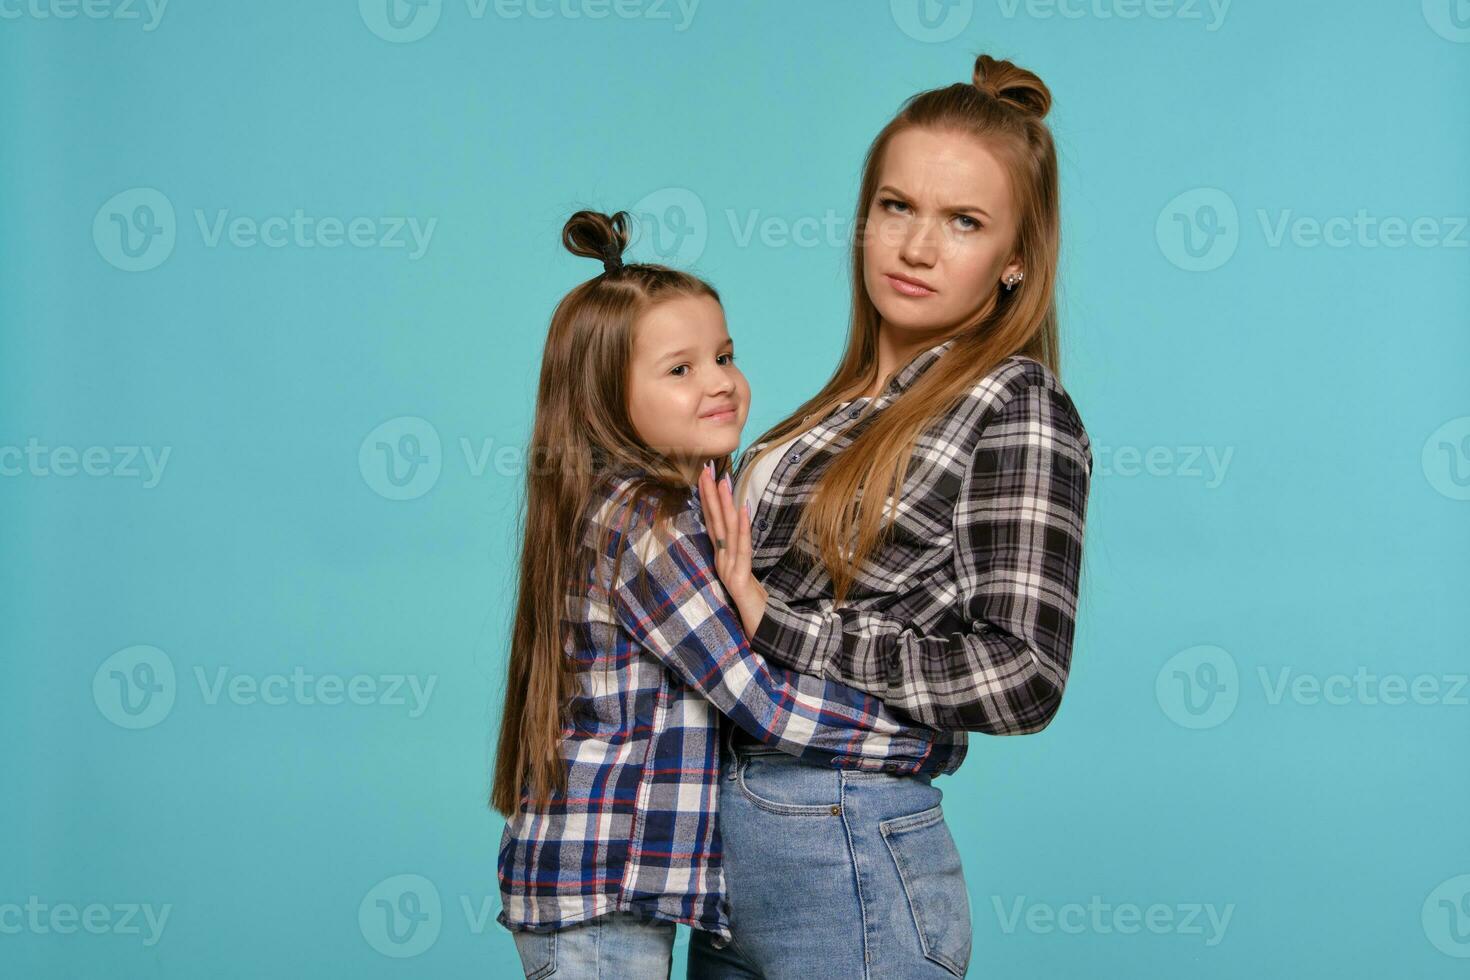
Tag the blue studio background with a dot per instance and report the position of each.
(275, 281)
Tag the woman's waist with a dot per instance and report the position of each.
(940, 755)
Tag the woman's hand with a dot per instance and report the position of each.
(729, 528)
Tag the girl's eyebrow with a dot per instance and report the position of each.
(682, 351)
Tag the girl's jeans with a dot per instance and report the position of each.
(834, 875)
(618, 944)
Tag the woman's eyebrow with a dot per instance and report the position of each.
(945, 207)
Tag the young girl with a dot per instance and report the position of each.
(625, 654)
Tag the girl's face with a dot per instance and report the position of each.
(686, 397)
(939, 234)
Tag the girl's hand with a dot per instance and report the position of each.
(729, 528)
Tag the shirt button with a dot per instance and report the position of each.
(890, 767)
(854, 413)
(795, 457)
(763, 523)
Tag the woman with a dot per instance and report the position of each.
(960, 610)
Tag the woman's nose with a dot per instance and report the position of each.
(918, 247)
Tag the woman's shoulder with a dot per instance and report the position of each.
(1015, 375)
(1020, 383)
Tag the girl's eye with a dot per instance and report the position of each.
(731, 356)
(681, 367)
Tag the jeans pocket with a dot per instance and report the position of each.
(934, 883)
(784, 785)
(538, 953)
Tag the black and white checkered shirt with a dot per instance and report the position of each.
(964, 617)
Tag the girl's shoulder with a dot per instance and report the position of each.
(617, 505)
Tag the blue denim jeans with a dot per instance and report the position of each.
(618, 944)
(834, 875)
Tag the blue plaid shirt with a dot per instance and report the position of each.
(637, 830)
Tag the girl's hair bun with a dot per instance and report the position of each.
(595, 235)
(1014, 86)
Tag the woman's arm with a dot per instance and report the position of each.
(1018, 526)
(685, 620)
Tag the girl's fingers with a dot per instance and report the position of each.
(744, 550)
(732, 520)
(706, 488)
(716, 518)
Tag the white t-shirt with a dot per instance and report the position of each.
(758, 477)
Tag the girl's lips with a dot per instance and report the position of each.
(726, 416)
(907, 288)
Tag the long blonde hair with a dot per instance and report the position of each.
(582, 435)
(1003, 106)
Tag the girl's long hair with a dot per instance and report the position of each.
(582, 435)
(1003, 106)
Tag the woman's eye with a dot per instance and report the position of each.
(889, 203)
(968, 223)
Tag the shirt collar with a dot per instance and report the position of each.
(920, 363)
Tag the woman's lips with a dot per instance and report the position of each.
(906, 288)
(726, 416)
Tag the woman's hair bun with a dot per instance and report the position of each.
(595, 235)
(1013, 85)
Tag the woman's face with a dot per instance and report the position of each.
(939, 233)
(686, 397)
